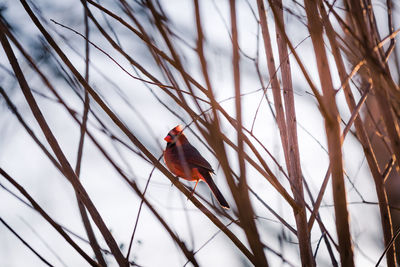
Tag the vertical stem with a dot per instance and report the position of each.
(82, 210)
(246, 213)
(386, 220)
(288, 133)
(332, 128)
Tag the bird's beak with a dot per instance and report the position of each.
(168, 139)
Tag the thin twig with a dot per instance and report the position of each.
(25, 243)
(139, 211)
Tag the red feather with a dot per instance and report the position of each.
(185, 161)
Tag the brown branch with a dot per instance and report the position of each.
(386, 221)
(85, 218)
(321, 193)
(388, 169)
(246, 212)
(28, 129)
(68, 171)
(47, 217)
(303, 69)
(288, 133)
(332, 128)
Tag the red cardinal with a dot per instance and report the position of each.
(183, 160)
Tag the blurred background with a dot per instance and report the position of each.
(157, 64)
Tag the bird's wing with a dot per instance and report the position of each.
(194, 158)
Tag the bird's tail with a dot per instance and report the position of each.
(218, 195)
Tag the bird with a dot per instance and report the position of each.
(185, 161)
